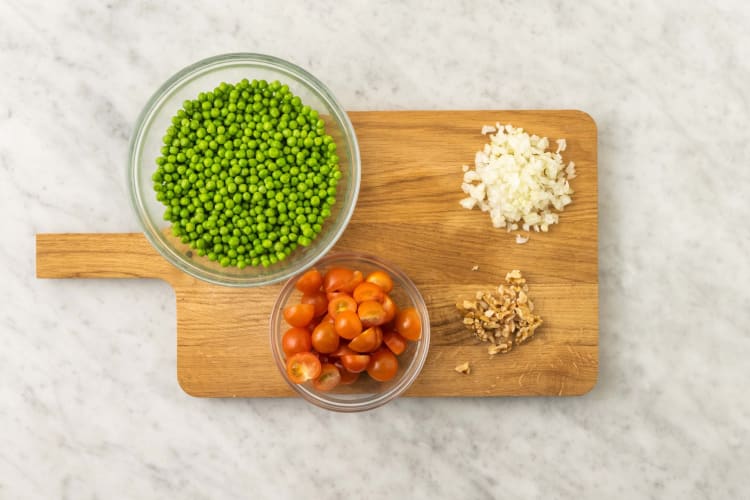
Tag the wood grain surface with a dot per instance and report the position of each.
(407, 212)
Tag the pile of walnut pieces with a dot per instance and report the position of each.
(506, 318)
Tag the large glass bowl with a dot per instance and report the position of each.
(206, 75)
(365, 393)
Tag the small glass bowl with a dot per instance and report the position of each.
(204, 76)
(365, 393)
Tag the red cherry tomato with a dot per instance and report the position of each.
(367, 341)
(371, 313)
(357, 278)
(340, 303)
(395, 342)
(390, 308)
(329, 377)
(310, 282)
(408, 323)
(382, 279)
(347, 377)
(318, 300)
(347, 324)
(367, 291)
(383, 365)
(299, 314)
(339, 279)
(355, 363)
(327, 318)
(296, 340)
(324, 338)
(302, 367)
(343, 350)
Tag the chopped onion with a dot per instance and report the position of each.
(518, 181)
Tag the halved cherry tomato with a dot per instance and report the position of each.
(357, 278)
(390, 308)
(310, 282)
(337, 278)
(329, 377)
(371, 313)
(395, 342)
(340, 279)
(302, 367)
(347, 324)
(355, 363)
(296, 340)
(382, 279)
(343, 350)
(367, 291)
(347, 377)
(299, 314)
(324, 338)
(383, 365)
(408, 323)
(318, 300)
(340, 303)
(367, 341)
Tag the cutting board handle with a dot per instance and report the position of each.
(127, 255)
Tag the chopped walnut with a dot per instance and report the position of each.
(464, 368)
(496, 348)
(505, 318)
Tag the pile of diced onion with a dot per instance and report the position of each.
(519, 182)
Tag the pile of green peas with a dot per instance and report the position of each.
(247, 173)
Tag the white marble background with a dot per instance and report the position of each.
(89, 403)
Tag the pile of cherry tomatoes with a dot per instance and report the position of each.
(346, 323)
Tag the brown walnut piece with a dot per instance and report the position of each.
(505, 319)
(464, 368)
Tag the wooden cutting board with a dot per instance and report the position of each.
(407, 212)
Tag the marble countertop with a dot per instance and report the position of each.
(90, 403)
